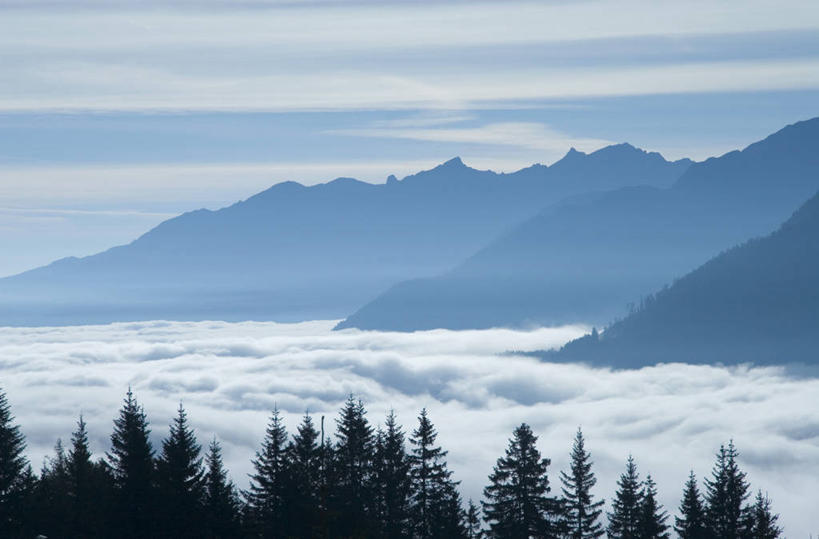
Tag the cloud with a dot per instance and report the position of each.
(229, 376)
(528, 135)
(366, 56)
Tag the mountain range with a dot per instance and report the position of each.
(756, 303)
(589, 259)
(295, 253)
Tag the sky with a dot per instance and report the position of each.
(672, 418)
(117, 115)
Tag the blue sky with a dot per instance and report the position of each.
(116, 115)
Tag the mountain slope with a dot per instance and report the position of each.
(758, 302)
(294, 252)
(583, 260)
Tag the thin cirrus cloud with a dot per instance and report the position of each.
(528, 135)
(229, 377)
(361, 56)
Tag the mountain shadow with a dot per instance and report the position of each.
(755, 303)
(585, 259)
(295, 253)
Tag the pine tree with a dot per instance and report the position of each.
(726, 493)
(435, 510)
(392, 479)
(269, 485)
(624, 519)
(13, 465)
(581, 513)
(305, 469)
(131, 459)
(180, 479)
(691, 522)
(221, 501)
(763, 522)
(517, 503)
(354, 455)
(89, 487)
(52, 500)
(652, 517)
(472, 522)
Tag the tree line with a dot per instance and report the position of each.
(365, 482)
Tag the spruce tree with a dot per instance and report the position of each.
(392, 471)
(89, 487)
(726, 493)
(581, 512)
(180, 479)
(691, 522)
(763, 523)
(53, 508)
(624, 519)
(221, 501)
(435, 504)
(305, 465)
(13, 465)
(472, 521)
(354, 455)
(517, 503)
(131, 460)
(270, 483)
(652, 517)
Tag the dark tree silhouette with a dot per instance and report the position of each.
(726, 493)
(691, 522)
(131, 460)
(624, 519)
(305, 464)
(472, 521)
(435, 510)
(581, 512)
(652, 516)
(269, 484)
(763, 522)
(51, 502)
(392, 478)
(180, 477)
(221, 501)
(13, 464)
(517, 503)
(354, 455)
(89, 487)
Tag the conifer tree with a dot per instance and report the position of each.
(13, 465)
(691, 522)
(131, 460)
(581, 512)
(435, 505)
(354, 455)
(763, 523)
(472, 521)
(89, 487)
(624, 519)
(305, 465)
(270, 483)
(52, 501)
(180, 477)
(726, 493)
(392, 470)
(652, 517)
(221, 501)
(517, 503)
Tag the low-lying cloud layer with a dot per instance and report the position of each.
(229, 376)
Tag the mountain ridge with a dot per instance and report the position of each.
(295, 252)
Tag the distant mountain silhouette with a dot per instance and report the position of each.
(586, 258)
(756, 303)
(294, 252)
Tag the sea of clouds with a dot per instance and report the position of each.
(672, 418)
